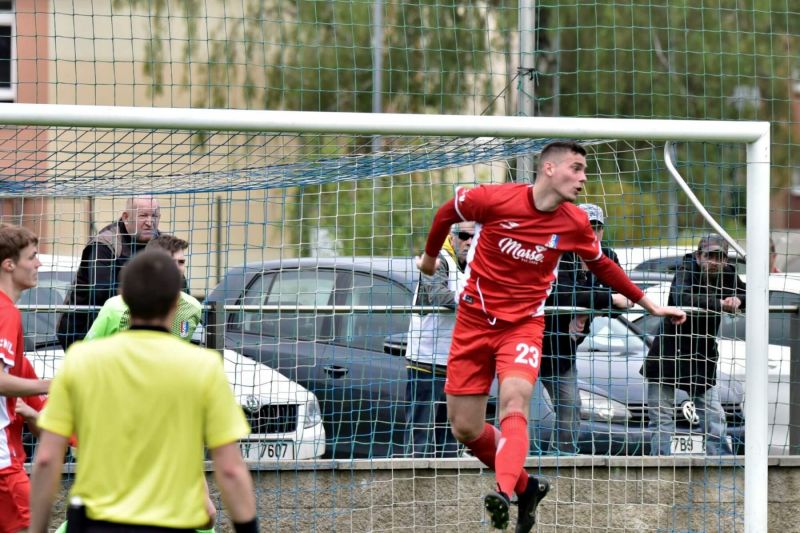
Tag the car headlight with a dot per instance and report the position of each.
(599, 407)
(313, 414)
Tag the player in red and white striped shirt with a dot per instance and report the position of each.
(19, 265)
(521, 232)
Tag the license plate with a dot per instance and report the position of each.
(267, 450)
(688, 444)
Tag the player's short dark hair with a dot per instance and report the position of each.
(168, 243)
(558, 147)
(14, 239)
(150, 284)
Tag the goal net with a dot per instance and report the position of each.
(302, 229)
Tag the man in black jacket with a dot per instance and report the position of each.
(685, 357)
(576, 286)
(97, 278)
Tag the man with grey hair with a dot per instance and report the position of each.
(428, 344)
(106, 253)
(685, 356)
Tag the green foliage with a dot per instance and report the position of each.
(672, 59)
(315, 55)
(386, 216)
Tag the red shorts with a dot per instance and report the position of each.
(15, 490)
(479, 349)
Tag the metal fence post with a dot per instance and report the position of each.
(794, 382)
(215, 327)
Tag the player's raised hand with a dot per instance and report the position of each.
(676, 316)
(427, 264)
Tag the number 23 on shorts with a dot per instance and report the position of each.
(527, 355)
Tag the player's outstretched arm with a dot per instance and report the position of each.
(16, 386)
(676, 316)
(440, 227)
(427, 264)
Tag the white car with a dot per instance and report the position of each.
(784, 290)
(284, 416)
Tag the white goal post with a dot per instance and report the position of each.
(756, 135)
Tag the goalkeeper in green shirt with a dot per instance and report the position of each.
(114, 316)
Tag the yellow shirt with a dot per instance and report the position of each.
(143, 403)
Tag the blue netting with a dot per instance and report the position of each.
(128, 166)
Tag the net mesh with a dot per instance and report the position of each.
(244, 198)
(291, 233)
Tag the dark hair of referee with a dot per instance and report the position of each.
(150, 286)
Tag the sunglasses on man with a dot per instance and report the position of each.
(464, 235)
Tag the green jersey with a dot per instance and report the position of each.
(115, 316)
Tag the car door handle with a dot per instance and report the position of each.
(336, 371)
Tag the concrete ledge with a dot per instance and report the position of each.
(588, 494)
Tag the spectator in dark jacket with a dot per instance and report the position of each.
(97, 278)
(575, 286)
(685, 357)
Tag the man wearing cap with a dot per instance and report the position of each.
(576, 286)
(685, 356)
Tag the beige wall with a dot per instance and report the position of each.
(97, 60)
(22, 151)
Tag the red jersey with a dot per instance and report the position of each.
(515, 252)
(12, 455)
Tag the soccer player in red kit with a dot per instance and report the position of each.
(521, 230)
(19, 265)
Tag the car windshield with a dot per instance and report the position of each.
(40, 325)
(611, 335)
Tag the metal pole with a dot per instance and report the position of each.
(756, 383)
(672, 207)
(215, 326)
(526, 84)
(794, 383)
(218, 228)
(306, 122)
(377, 65)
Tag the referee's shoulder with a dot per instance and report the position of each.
(193, 350)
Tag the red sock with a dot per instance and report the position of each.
(511, 453)
(485, 449)
(485, 446)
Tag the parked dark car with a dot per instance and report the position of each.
(354, 361)
(339, 357)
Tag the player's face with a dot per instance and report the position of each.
(25, 273)
(567, 175)
(142, 220)
(180, 261)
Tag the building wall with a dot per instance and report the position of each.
(23, 150)
(98, 59)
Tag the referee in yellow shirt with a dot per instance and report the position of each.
(142, 420)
